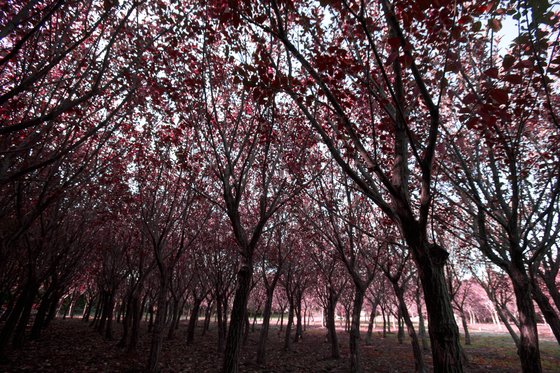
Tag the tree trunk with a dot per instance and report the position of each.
(87, 310)
(281, 320)
(19, 333)
(384, 322)
(500, 316)
(528, 349)
(419, 365)
(400, 327)
(158, 327)
(41, 315)
(135, 328)
(547, 310)
(331, 326)
(127, 321)
(238, 315)
(355, 353)
(193, 319)
(299, 327)
(261, 348)
(207, 317)
(421, 324)
(443, 330)
(289, 324)
(370, 324)
(221, 324)
(465, 328)
(109, 323)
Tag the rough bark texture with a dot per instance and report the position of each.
(158, 327)
(442, 328)
(238, 312)
(419, 364)
(528, 349)
(355, 353)
(261, 348)
(547, 310)
(465, 328)
(192, 320)
(331, 326)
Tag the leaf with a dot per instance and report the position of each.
(469, 99)
(495, 24)
(492, 72)
(394, 42)
(477, 26)
(513, 78)
(499, 95)
(508, 62)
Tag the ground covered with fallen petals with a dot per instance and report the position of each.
(72, 346)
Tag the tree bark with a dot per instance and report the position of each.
(261, 348)
(135, 327)
(466, 328)
(442, 328)
(547, 310)
(19, 333)
(528, 349)
(331, 325)
(419, 365)
(289, 324)
(238, 315)
(193, 319)
(421, 324)
(158, 327)
(355, 353)
(370, 324)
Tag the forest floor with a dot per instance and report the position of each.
(72, 346)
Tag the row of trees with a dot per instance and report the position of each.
(155, 153)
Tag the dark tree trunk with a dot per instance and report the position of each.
(502, 317)
(299, 327)
(52, 311)
(281, 320)
(193, 319)
(355, 353)
(12, 320)
(384, 322)
(246, 328)
(547, 310)
(109, 323)
(289, 324)
(127, 321)
(158, 327)
(136, 310)
(174, 319)
(238, 315)
(151, 317)
(207, 317)
(221, 323)
(443, 330)
(370, 325)
(19, 333)
(421, 324)
(528, 349)
(98, 309)
(87, 310)
(331, 326)
(41, 316)
(553, 289)
(400, 327)
(419, 365)
(261, 348)
(466, 328)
